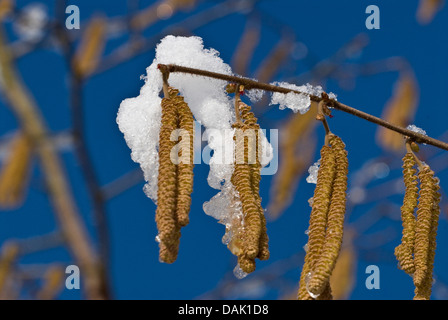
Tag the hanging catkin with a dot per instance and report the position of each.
(241, 179)
(175, 181)
(251, 121)
(405, 251)
(185, 166)
(423, 226)
(167, 224)
(326, 224)
(335, 221)
(246, 179)
(417, 249)
(318, 217)
(321, 204)
(428, 211)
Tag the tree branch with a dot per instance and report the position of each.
(253, 84)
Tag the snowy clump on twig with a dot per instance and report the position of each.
(294, 101)
(255, 95)
(139, 118)
(416, 129)
(297, 102)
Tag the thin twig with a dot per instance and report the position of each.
(321, 117)
(253, 84)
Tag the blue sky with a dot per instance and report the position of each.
(324, 26)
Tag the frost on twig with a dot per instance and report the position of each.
(297, 102)
(416, 129)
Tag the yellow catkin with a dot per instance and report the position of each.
(175, 182)
(166, 219)
(252, 241)
(251, 121)
(14, 173)
(185, 166)
(335, 223)
(236, 229)
(423, 225)
(321, 204)
(250, 236)
(263, 253)
(241, 179)
(318, 216)
(423, 291)
(405, 251)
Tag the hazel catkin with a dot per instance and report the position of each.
(167, 224)
(175, 181)
(251, 122)
(185, 166)
(326, 224)
(423, 287)
(405, 251)
(318, 218)
(246, 179)
(335, 221)
(321, 204)
(423, 225)
(416, 252)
